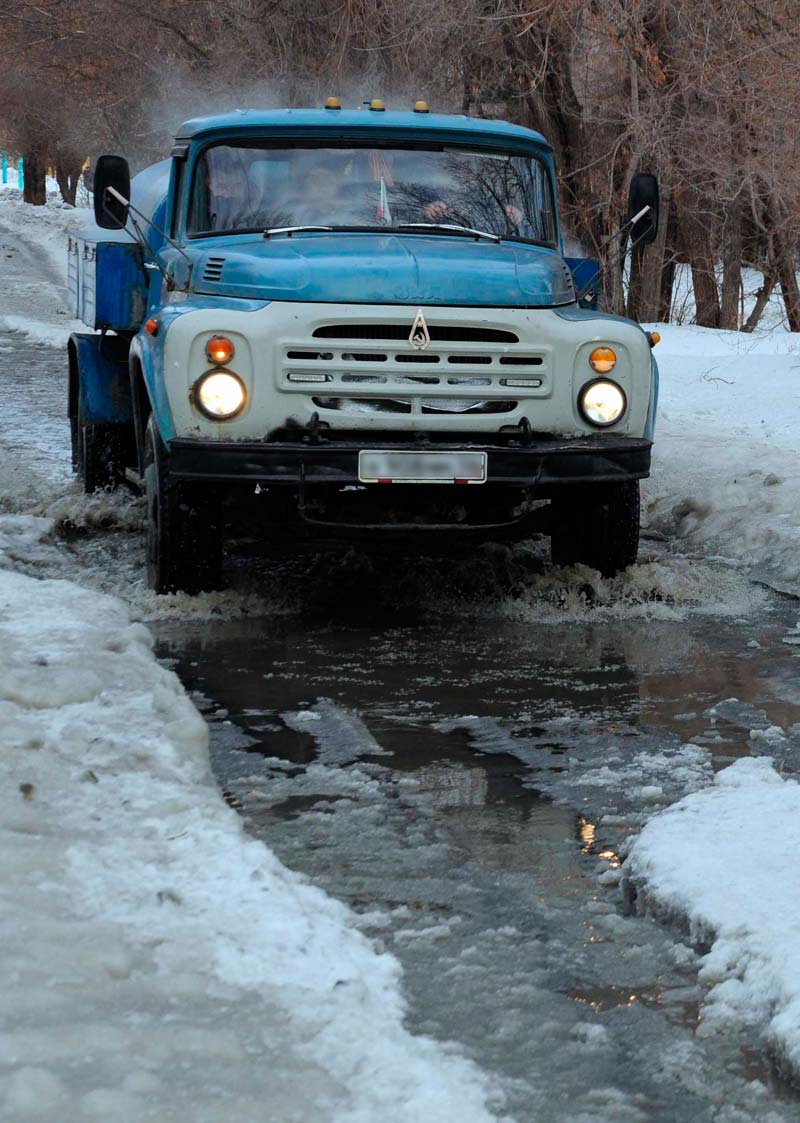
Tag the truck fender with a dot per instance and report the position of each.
(148, 394)
(98, 377)
(141, 406)
(650, 426)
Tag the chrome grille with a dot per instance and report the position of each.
(447, 333)
(361, 368)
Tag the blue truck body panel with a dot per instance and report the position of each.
(585, 270)
(106, 280)
(329, 122)
(377, 268)
(104, 386)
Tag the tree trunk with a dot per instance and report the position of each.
(784, 257)
(67, 175)
(732, 243)
(35, 170)
(697, 244)
(762, 300)
(667, 285)
(613, 288)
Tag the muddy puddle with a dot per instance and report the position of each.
(463, 783)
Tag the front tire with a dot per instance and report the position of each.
(597, 526)
(183, 533)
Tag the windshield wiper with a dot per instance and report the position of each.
(449, 228)
(289, 230)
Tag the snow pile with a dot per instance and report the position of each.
(33, 241)
(725, 860)
(726, 470)
(45, 227)
(157, 963)
(21, 538)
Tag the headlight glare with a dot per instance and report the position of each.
(602, 403)
(220, 395)
(603, 360)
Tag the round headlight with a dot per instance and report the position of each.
(220, 395)
(602, 403)
(603, 360)
(220, 350)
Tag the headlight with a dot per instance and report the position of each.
(220, 395)
(602, 403)
(603, 360)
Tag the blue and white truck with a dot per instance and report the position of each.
(354, 322)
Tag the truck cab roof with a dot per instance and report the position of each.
(315, 122)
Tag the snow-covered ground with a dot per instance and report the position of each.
(724, 862)
(158, 964)
(726, 466)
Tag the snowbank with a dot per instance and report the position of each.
(726, 463)
(33, 280)
(157, 963)
(725, 860)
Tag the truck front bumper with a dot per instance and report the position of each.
(540, 463)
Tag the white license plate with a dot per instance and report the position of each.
(375, 467)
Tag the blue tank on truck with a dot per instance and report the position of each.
(338, 323)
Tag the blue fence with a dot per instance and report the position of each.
(4, 169)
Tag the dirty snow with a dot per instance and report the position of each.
(33, 248)
(724, 861)
(157, 963)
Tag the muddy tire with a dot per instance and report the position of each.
(596, 525)
(183, 533)
(97, 453)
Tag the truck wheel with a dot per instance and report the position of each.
(598, 526)
(97, 455)
(183, 532)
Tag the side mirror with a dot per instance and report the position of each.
(643, 193)
(109, 211)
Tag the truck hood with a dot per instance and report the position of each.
(343, 268)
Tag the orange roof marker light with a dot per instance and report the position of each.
(421, 107)
(654, 337)
(377, 106)
(151, 326)
(333, 103)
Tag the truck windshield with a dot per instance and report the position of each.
(242, 188)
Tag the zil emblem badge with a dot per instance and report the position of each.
(419, 337)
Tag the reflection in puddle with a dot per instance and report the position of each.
(509, 759)
(681, 1005)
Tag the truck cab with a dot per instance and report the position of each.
(352, 322)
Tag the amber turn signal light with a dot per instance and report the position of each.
(654, 337)
(220, 350)
(151, 326)
(602, 359)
